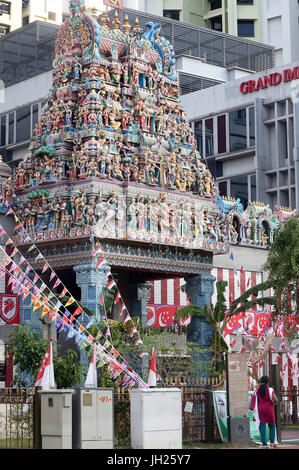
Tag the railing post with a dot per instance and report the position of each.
(37, 436)
(209, 415)
(275, 374)
(295, 405)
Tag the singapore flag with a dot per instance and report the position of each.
(91, 379)
(45, 376)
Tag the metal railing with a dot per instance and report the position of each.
(16, 418)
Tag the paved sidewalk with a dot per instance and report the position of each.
(290, 439)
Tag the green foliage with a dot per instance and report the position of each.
(283, 267)
(29, 349)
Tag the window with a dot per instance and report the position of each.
(215, 4)
(244, 2)
(251, 127)
(237, 130)
(35, 115)
(222, 186)
(11, 128)
(51, 16)
(246, 28)
(216, 23)
(209, 137)
(172, 14)
(3, 130)
(23, 128)
(221, 130)
(198, 135)
(4, 29)
(5, 8)
(239, 189)
(253, 188)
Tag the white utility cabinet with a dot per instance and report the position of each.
(156, 418)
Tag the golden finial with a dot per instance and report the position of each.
(104, 18)
(116, 21)
(136, 25)
(127, 25)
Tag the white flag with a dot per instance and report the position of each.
(92, 379)
(45, 376)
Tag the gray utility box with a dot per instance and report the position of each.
(93, 418)
(239, 430)
(56, 419)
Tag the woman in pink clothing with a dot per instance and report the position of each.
(262, 403)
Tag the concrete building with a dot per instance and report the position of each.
(247, 131)
(281, 28)
(10, 16)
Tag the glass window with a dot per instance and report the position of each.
(237, 130)
(216, 23)
(246, 28)
(5, 8)
(251, 127)
(11, 128)
(221, 130)
(173, 14)
(198, 135)
(253, 187)
(239, 189)
(34, 116)
(3, 131)
(209, 137)
(222, 186)
(215, 4)
(23, 123)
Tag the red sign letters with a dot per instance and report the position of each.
(274, 79)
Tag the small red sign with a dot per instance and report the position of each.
(9, 309)
(114, 3)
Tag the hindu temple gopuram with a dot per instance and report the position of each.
(114, 163)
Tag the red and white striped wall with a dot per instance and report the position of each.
(238, 282)
(168, 291)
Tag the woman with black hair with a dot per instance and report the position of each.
(262, 404)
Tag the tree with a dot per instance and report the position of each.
(282, 267)
(28, 350)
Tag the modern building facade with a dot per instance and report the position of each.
(247, 131)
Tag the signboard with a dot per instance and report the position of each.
(161, 316)
(220, 407)
(274, 79)
(114, 3)
(9, 309)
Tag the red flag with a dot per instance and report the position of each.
(77, 312)
(114, 3)
(91, 379)
(152, 377)
(45, 376)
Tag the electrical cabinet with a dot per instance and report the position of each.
(92, 418)
(56, 419)
(156, 418)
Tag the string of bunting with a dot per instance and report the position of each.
(100, 261)
(62, 323)
(67, 319)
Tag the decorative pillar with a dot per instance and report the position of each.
(92, 281)
(140, 294)
(200, 289)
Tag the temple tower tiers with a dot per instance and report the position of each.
(114, 163)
